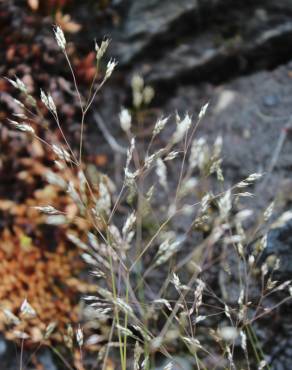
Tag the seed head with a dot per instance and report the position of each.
(129, 224)
(148, 94)
(79, 336)
(176, 281)
(137, 82)
(100, 50)
(60, 38)
(243, 340)
(18, 84)
(49, 330)
(170, 156)
(27, 310)
(181, 129)
(48, 210)
(11, 318)
(61, 153)
(109, 68)
(203, 111)
(228, 333)
(44, 99)
(159, 126)
(24, 127)
(161, 173)
(130, 152)
(125, 120)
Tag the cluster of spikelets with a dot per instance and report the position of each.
(123, 253)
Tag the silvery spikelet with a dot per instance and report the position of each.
(49, 210)
(61, 153)
(137, 82)
(131, 219)
(52, 106)
(148, 94)
(130, 152)
(54, 179)
(161, 173)
(11, 318)
(79, 336)
(181, 129)
(18, 84)
(60, 38)
(110, 68)
(203, 111)
(125, 120)
(225, 204)
(24, 127)
(103, 203)
(249, 180)
(170, 156)
(159, 126)
(44, 99)
(27, 310)
(100, 50)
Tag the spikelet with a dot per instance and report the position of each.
(61, 153)
(159, 126)
(167, 249)
(26, 309)
(161, 173)
(79, 336)
(181, 129)
(110, 68)
(24, 127)
(18, 84)
(203, 111)
(48, 210)
(125, 120)
(60, 37)
(101, 49)
(249, 180)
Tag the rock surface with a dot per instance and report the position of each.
(251, 113)
(200, 40)
(279, 244)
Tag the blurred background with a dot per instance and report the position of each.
(235, 54)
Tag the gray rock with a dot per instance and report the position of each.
(195, 40)
(250, 129)
(200, 54)
(3, 346)
(279, 244)
(145, 21)
(271, 100)
(46, 359)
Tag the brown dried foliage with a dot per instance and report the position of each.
(36, 261)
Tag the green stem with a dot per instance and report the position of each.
(62, 358)
(126, 324)
(259, 354)
(116, 310)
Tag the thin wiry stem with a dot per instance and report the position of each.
(104, 365)
(187, 144)
(21, 355)
(74, 80)
(61, 357)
